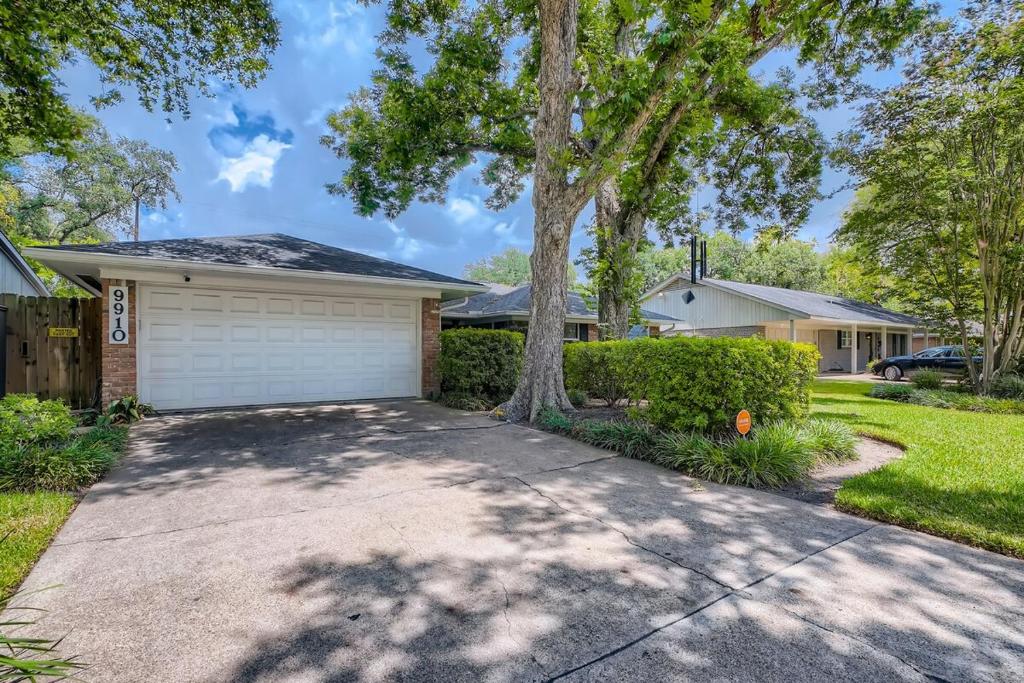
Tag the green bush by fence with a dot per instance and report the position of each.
(697, 382)
(479, 368)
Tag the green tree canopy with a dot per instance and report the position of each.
(90, 195)
(940, 158)
(163, 49)
(790, 263)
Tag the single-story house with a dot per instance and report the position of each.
(16, 275)
(504, 307)
(848, 333)
(258, 319)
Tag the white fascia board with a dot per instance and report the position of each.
(113, 262)
(863, 323)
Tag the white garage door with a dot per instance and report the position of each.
(202, 348)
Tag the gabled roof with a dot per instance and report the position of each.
(21, 265)
(801, 303)
(506, 301)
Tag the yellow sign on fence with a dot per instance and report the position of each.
(63, 332)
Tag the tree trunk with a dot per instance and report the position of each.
(541, 383)
(618, 235)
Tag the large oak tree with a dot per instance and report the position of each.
(576, 93)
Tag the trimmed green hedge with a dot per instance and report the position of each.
(697, 382)
(479, 368)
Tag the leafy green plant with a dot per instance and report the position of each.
(773, 455)
(630, 439)
(595, 369)
(926, 379)
(464, 402)
(29, 659)
(125, 410)
(685, 450)
(482, 365)
(62, 466)
(577, 397)
(1008, 386)
(831, 440)
(24, 419)
(553, 420)
(695, 383)
(946, 398)
(892, 392)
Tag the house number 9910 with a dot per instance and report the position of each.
(118, 315)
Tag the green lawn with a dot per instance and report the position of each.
(962, 476)
(27, 523)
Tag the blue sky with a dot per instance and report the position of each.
(251, 160)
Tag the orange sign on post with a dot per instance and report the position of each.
(743, 422)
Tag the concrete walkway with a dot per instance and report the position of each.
(403, 541)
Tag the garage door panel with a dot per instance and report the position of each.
(208, 348)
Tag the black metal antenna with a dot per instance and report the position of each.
(703, 260)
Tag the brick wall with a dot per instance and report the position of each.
(592, 332)
(118, 361)
(430, 328)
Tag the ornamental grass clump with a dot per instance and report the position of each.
(833, 441)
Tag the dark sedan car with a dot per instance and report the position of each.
(946, 359)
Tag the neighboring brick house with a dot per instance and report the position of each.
(258, 319)
(504, 307)
(848, 333)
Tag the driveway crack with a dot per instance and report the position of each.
(738, 592)
(626, 536)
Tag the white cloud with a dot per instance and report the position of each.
(340, 24)
(463, 210)
(255, 166)
(405, 248)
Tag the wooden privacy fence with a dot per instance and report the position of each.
(52, 347)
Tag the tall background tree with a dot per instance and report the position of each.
(94, 193)
(575, 94)
(940, 158)
(164, 49)
(510, 267)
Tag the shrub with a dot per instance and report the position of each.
(685, 450)
(60, 466)
(630, 439)
(926, 379)
(596, 369)
(775, 454)
(577, 397)
(831, 440)
(892, 392)
(944, 398)
(125, 410)
(697, 383)
(1008, 386)
(482, 365)
(24, 419)
(553, 420)
(464, 402)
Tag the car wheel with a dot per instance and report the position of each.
(893, 373)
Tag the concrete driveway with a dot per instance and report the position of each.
(404, 541)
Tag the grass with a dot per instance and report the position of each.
(962, 476)
(28, 521)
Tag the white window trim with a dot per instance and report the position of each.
(845, 339)
(576, 338)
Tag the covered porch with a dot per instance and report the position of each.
(847, 346)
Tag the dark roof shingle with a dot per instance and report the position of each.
(273, 250)
(505, 300)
